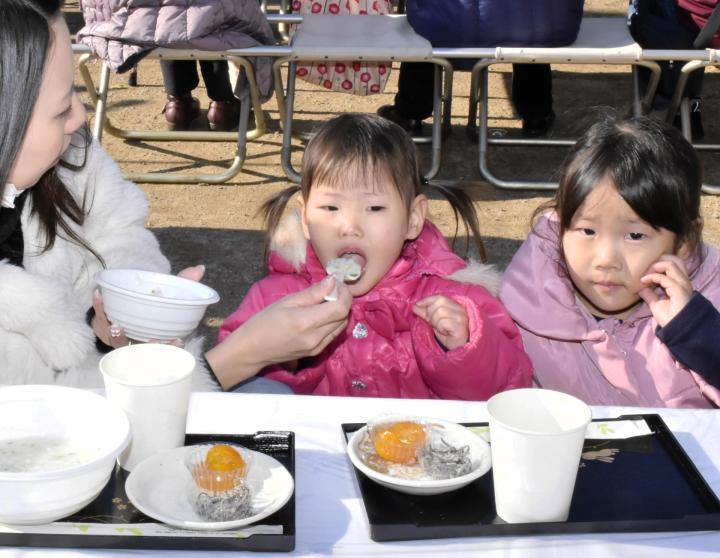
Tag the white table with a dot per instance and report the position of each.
(330, 518)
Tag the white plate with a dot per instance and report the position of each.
(159, 488)
(479, 454)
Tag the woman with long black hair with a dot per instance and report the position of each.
(66, 210)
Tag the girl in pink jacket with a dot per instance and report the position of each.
(422, 323)
(614, 292)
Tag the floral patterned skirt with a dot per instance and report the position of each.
(357, 77)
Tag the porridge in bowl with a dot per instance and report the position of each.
(58, 447)
(40, 454)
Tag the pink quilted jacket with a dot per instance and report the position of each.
(387, 351)
(605, 362)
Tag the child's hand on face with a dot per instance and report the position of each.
(448, 319)
(670, 274)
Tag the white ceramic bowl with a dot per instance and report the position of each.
(33, 420)
(152, 305)
(479, 454)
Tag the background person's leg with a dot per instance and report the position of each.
(180, 78)
(224, 108)
(532, 97)
(414, 99)
(217, 80)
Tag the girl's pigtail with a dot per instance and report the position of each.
(463, 207)
(272, 211)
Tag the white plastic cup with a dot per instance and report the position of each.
(536, 438)
(151, 383)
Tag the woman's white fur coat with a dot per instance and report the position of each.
(44, 338)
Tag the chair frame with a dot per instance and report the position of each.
(442, 94)
(98, 96)
(559, 55)
(441, 57)
(694, 60)
(441, 97)
(103, 123)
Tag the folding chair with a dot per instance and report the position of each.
(371, 38)
(98, 96)
(600, 41)
(696, 59)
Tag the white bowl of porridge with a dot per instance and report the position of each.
(58, 448)
(153, 306)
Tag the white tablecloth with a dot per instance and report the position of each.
(330, 518)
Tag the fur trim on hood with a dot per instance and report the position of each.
(290, 244)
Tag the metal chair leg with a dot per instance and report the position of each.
(440, 118)
(480, 92)
(250, 98)
(677, 97)
(442, 93)
(473, 102)
(683, 105)
(279, 91)
(101, 105)
(483, 140)
(210, 178)
(286, 153)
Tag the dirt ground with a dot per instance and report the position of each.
(216, 224)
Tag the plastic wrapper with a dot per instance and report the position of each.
(413, 449)
(219, 491)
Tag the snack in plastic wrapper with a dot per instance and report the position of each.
(413, 449)
(219, 492)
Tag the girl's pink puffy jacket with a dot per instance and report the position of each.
(387, 351)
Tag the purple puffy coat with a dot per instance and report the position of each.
(603, 362)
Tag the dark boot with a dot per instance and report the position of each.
(538, 127)
(410, 125)
(223, 115)
(181, 111)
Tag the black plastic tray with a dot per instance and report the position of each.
(113, 507)
(650, 485)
